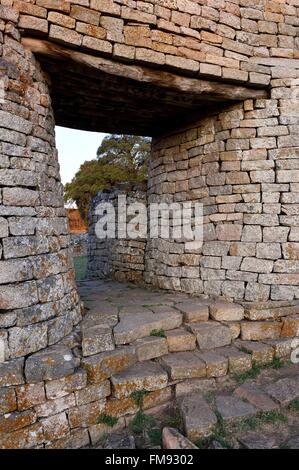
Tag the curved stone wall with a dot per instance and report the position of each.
(39, 303)
(242, 165)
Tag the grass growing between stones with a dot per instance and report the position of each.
(142, 423)
(220, 434)
(174, 419)
(256, 369)
(160, 333)
(138, 397)
(155, 436)
(272, 417)
(249, 374)
(294, 406)
(107, 419)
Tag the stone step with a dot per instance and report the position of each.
(198, 417)
(194, 311)
(150, 347)
(146, 376)
(225, 311)
(183, 365)
(103, 365)
(211, 334)
(256, 397)
(216, 365)
(238, 361)
(232, 408)
(139, 325)
(180, 340)
(261, 353)
(96, 339)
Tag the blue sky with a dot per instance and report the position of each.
(74, 148)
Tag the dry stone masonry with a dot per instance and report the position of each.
(118, 258)
(215, 83)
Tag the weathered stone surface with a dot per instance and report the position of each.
(142, 376)
(52, 363)
(97, 339)
(64, 386)
(104, 365)
(232, 408)
(157, 397)
(195, 385)
(134, 326)
(290, 326)
(238, 361)
(52, 407)
(257, 331)
(120, 440)
(284, 390)
(17, 420)
(150, 347)
(55, 427)
(222, 311)
(255, 440)
(24, 438)
(194, 311)
(180, 340)
(8, 400)
(183, 365)
(210, 334)
(216, 365)
(93, 393)
(261, 353)
(29, 395)
(26, 340)
(119, 408)
(85, 415)
(257, 397)
(173, 439)
(198, 417)
(12, 373)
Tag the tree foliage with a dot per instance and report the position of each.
(119, 158)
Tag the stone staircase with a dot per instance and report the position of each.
(162, 345)
(169, 345)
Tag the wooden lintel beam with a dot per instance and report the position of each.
(192, 86)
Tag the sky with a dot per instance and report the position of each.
(74, 148)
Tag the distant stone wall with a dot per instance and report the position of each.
(121, 259)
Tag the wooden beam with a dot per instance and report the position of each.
(191, 86)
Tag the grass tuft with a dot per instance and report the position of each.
(160, 333)
(107, 419)
(142, 423)
(138, 397)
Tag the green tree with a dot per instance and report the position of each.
(119, 158)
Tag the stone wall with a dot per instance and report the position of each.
(121, 259)
(209, 38)
(39, 303)
(242, 164)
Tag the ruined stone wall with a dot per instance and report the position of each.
(121, 259)
(208, 38)
(242, 164)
